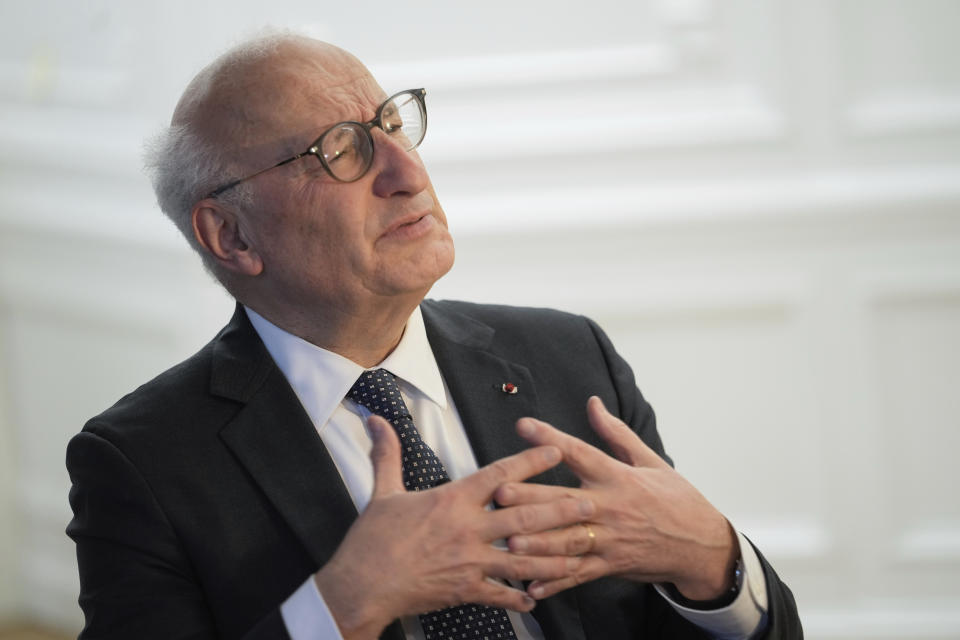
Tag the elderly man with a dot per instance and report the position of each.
(327, 466)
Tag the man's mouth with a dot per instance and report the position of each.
(411, 227)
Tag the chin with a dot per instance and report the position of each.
(445, 258)
(424, 269)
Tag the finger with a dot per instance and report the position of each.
(509, 566)
(385, 456)
(574, 540)
(589, 568)
(497, 594)
(514, 493)
(533, 518)
(625, 444)
(513, 468)
(588, 462)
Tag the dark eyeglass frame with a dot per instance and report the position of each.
(314, 149)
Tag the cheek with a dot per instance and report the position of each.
(309, 225)
(332, 245)
(319, 224)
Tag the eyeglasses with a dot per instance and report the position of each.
(345, 150)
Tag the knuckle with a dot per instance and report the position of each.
(579, 449)
(527, 519)
(499, 598)
(574, 543)
(438, 503)
(464, 589)
(576, 572)
(572, 509)
(517, 570)
(506, 493)
(499, 472)
(458, 595)
(557, 569)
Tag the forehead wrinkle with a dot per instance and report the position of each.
(248, 106)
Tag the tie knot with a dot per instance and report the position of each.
(378, 391)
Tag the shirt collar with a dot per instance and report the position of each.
(322, 378)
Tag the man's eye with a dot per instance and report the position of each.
(340, 154)
(393, 127)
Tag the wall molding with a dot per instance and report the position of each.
(905, 113)
(930, 542)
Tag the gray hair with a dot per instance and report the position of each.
(184, 165)
(184, 168)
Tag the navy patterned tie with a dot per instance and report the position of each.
(378, 391)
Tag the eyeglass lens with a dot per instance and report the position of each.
(347, 149)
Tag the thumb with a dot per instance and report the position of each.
(385, 456)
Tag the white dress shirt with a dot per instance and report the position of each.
(321, 380)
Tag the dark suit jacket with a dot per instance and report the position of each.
(203, 499)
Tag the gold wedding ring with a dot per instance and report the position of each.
(591, 535)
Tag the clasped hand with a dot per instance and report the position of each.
(417, 551)
(412, 552)
(650, 523)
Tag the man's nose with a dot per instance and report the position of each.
(397, 171)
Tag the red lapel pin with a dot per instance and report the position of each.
(508, 387)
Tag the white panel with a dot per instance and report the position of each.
(936, 541)
(899, 44)
(68, 368)
(918, 376)
(909, 620)
(745, 365)
(901, 71)
(11, 531)
(44, 558)
(797, 194)
(790, 541)
(493, 73)
(54, 392)
(905, 113)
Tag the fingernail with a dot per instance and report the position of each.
(530, 602)
(586, 507)
(536, 591)
(374, 427)
(518, 545)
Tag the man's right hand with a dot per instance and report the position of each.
(418, 551)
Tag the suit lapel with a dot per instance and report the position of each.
(475, 376)
(274, 439)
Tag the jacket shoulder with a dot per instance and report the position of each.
(163, 393)
(170, 402)
(513, 320)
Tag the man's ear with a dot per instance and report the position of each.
(217, 229)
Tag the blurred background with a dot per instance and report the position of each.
(774, 186)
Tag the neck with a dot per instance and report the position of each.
(365, 336)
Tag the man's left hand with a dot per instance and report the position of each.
(650, 523)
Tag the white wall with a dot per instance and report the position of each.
(776, 185)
